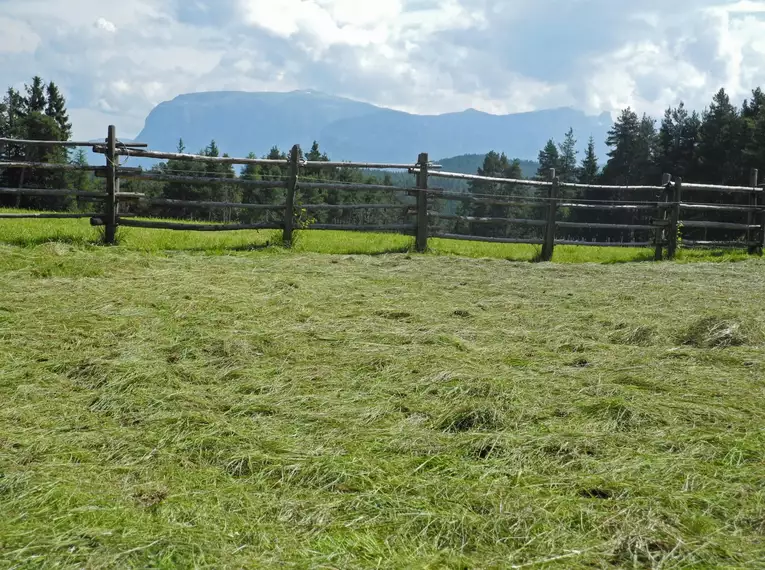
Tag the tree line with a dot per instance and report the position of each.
(718, 145)
(40, 113)
(235, 193)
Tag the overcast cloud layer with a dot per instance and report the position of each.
(115, 60)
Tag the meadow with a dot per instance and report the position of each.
(198, 400)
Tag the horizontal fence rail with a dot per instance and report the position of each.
(138, 153)
(548, 207)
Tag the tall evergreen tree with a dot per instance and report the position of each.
(548, 159)
(25, 117)
(35, 98)
(589, 169)
(588, 173)
(623, 138)
(720, 149)
(56, 108)
(495, 165)
(753, 118)
(677, 142)
(567, 167)
(645, 149)
(13, 127)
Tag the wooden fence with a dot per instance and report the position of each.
(661, 217)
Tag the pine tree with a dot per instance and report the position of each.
(315, 155)
(35, 99)
(13, 127)
(589, 170)
(753, 117)
(645, 149)
(623, 138)
(179, 190)
(548, 159)
(677, 142)
(720, 149)
(56, 108)
(588, 173)
(495, 165)
(567, 152)
(319, 196)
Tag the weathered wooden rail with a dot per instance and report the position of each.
(663, 227)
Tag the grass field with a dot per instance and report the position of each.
(79, 232)
(265, 408)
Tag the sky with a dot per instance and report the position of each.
(116, 60)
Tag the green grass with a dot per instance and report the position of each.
(79, 232)
(266, 408)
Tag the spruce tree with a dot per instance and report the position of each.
(495, 165)
(645, 149)
(623, 140)
(56, 108)
(567, 152)
(753, 117)
(720, 149)
(677, 142)
(35, 99)
(588, 173)
(13, 120)
(589, 169)
(548, 159)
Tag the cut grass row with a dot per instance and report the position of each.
(331, 411)
(294, 409)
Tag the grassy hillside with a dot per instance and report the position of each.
(266, 408)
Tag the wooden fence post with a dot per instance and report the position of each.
(674, 223)
(753, 247)
(421, 242)
(552, 211)
(660, 223)
(112, 187)
(289, 205)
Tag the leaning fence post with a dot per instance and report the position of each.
(660, 223)
(752, 246)
(112, 187)
(421, 242)
(289, 204)
(674, 223)
(552, 211)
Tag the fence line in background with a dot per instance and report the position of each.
(664, 225)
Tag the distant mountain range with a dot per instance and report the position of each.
(242, 122)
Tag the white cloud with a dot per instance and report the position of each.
(105, 25)
(119, 59)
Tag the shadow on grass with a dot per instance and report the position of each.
(385, 251)
(642, 258)
(42, 240)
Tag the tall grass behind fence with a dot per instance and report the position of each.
(543, 212)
